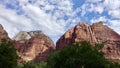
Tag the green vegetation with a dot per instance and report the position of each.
(32, 64)
(81, 55)
(8, 55)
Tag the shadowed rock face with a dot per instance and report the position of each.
(96, 33)
(33, 45)
(3, 33)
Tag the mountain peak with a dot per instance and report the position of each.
(33, 45)
(98, 23)
(34, 33)
(3, 33)
(23, 35)
(1, 27)
(95, 33)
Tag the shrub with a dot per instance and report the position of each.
(79, 55)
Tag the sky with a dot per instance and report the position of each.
(55, 17)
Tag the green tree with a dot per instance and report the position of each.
(42, 65)
(20, 65)
(30, 64)
(8, 55)
(81, 55)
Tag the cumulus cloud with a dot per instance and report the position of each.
(113, 7)
(107, 11)
(115, 24)
(12, 22)
(114, 13)
(93, 1)
(54, 17)
(103, 19)
(45, 15)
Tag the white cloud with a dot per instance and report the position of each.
(115, 13)
(34, 16)
(111, 4)
(96, 8)
(12, 22)
(115, 24)
(113, 7)
(89, 6)
(48, 15)
(110, 7)
(103, 19)
(93, 1)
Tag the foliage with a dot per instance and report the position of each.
(81, 55)
(8, 54)
(42, 65)
(99, 46)
(20, 65)
(112, 65)
(32, 64)
(53, 59)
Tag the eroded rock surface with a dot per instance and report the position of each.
(33, 45)
(95, 33)
(3, 33)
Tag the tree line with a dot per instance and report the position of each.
(78, 55)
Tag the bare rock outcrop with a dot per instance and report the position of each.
(3, 33)
(95, 33)
(104, 34)
(33, 45)
(81, 32)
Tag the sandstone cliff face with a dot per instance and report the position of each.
(33, 45)
(112, 39)
(79, 33)
(96, 33)
(3, 33)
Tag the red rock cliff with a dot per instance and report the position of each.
(96, 33)
(3, 33)
(33, 45)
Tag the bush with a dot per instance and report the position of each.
(8, 55)
(42, 65)
(32, 64)
(79, 55)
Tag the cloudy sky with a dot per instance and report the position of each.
(54, 17)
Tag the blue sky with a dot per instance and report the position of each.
(55, 17)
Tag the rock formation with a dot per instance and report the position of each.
(3, 33)
(96, 33)
(33, 45)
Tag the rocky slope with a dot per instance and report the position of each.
(33, 45)
(96, 33)
(3, 33)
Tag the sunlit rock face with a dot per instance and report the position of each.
(33, 45)
(95, 33)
